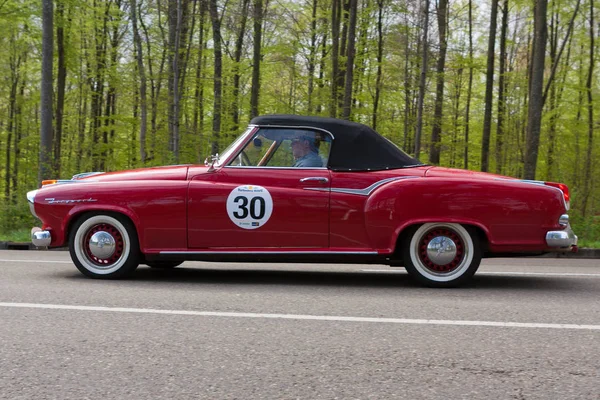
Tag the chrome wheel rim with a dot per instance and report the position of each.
(103, 245)
(441, 250)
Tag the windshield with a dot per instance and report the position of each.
(227, 152)
(284, 147)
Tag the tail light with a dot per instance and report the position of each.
(564, 188)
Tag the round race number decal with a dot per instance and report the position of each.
(249, 206)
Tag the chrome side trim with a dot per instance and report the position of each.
(541, 183)
(61, 181)
(267, 167)
(85, 175)
(312, 128)
(271, 252)
(52, 200)
(366, 191)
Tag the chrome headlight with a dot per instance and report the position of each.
(30, 200)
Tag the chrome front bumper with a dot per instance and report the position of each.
(40, 238)
(564, 239)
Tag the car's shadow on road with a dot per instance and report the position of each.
(360, 278)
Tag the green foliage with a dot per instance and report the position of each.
(587, 229)
(16, 222)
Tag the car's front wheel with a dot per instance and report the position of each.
(442, 254)
(104, 246)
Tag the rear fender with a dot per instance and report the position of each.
(508, 212)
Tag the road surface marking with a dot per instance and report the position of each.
(501, 273)
(38, 261)
(305, 317)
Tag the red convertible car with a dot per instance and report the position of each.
(302, 189)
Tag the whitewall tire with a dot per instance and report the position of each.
(104, 246)
(442, 254)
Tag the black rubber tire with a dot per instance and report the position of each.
(424, 270)
(126, 257)
(163, 264)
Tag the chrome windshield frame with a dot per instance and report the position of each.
(232, 150)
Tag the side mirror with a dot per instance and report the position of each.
(211, 164)
(257, 143)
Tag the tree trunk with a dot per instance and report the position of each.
(335, 51)
(155, 80)
(422, 81)
(15, 63)
(217, 84)
(18, 136)
(469, 88)
(562, 47)
(45, 170)
(442, 18)
(489, 88)
(312, 55)
(534, 114)
(199, 86)
(177, 14)
(239, 43)
(350, 61)
(576, 179)
(60, 84)
(408, 84)
(588, 88)
(142, 71)
(343, 19)
(96, 83)
(380, 5)
(256, 58)
(501, 89)
(319, 106)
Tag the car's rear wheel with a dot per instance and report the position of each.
(104, 246)
(163, 264)
(442, 254)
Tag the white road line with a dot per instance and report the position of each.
(38, 261)
(305, 317)
(501, 273)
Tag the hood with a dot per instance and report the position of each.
(169, 173)
(441, 172)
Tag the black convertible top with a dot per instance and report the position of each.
(356, 147)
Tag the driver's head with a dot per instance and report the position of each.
(302, 144)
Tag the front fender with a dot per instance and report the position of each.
(156, 208)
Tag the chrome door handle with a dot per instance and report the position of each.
(314, 179)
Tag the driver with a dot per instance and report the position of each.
(304, 149)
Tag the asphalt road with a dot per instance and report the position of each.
(524, 329)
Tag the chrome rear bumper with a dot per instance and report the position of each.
(564, 239)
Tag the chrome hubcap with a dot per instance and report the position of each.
(102, 244)
(441, 250)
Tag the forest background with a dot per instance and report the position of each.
(505, 86)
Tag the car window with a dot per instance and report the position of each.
(278, 147)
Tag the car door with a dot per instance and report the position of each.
(259, 207)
